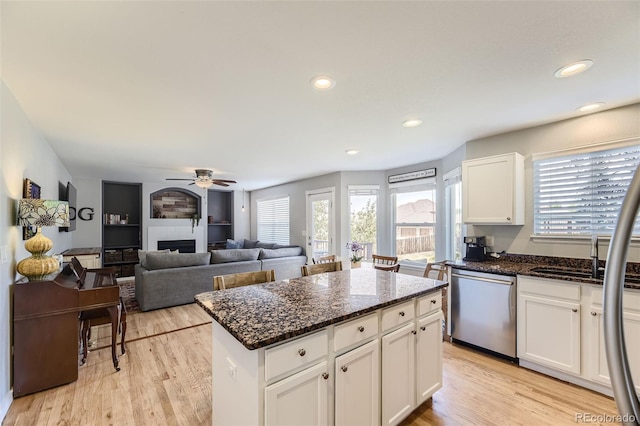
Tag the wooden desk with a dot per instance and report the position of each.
(46, 328)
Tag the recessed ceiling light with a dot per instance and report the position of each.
(415, 122)
(352, 151)
(574, 68)
(323, 82)
(590, 107)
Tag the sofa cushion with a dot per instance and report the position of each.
(266, 245)
(142, 255)
(250, 244)
(234, 255)
(280, 252)
(176, 260)
(234, 244)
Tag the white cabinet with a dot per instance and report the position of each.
(411, 358)
(357, 383)
(549, 323)
(597, 367)
(428, 357)
(493, 190)
(398, 374)
(301, 399)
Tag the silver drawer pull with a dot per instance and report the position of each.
(423, 328)
(302, 352)
(413, 332)
(344, 368)
(594, 314)
(361, 329)
(433, 301)
(325, 376)
(401, 313)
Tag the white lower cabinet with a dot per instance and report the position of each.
(357, 384)
(428, 357)
(398, 374)
(597, 367)
(301, 399)
(561, 329)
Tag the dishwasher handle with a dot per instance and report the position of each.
(476, 278)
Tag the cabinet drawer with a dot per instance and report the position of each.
(430, 303)
(355, 331)
(398, 315)
(296, 354)
(550, 288)
(630, 299)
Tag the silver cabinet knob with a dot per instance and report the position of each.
(361, 329)
(325, 376)
(401, 313)
(344, 368)
(302, 352)
(574, 310)
(508, 218)
(413, 332)
(423, 328)
(433, 301)
(594, 314)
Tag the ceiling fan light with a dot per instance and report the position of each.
(204, 183)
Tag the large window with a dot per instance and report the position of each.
(363, 225)
(453, 219)
(414, 208)
(273, 220)
(581, 193)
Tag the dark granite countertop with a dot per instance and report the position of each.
(519, 264)
(263, 314)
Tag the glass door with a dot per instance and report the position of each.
(320, 228)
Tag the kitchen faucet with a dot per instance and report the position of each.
(594, 256)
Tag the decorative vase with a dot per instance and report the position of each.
(355, 264)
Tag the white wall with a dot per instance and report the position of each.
(88, 233)
(616, 124)
(23, 154)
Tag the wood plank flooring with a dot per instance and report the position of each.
(166, 380)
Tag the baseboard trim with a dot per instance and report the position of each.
(579, 381)
(5, 404)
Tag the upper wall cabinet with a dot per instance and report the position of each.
(493, 190)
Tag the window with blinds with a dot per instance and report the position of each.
(581, 194)
(273, 220)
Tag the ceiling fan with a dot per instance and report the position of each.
(204, 179)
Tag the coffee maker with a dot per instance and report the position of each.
(476, 249)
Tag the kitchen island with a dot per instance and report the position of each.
(359, 346)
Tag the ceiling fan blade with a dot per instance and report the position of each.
(219, 183)
(177, 179)
(224, 180)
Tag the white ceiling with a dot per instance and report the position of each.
(142, 91)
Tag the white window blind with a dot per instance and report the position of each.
(273, 220)
(581, 194)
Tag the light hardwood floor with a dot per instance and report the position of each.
(166, 380)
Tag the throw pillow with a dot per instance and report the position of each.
(250, 244)
(142, 255)
(234, 244)
(265, 245)
(176, 260)
(280, 252)
(234, 255)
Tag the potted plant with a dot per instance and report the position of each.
(195, 221)
(356, 253)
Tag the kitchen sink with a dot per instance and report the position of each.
(581, 273)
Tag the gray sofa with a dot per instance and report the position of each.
(166, 279)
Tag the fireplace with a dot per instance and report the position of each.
(183, 246)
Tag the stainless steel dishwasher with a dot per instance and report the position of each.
(483, 311)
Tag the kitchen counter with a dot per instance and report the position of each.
(263, 314)
(518, 264)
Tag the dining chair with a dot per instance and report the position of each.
(223, 282)
(320, 268)
(385, 263)
(436, 271)
(324, 259)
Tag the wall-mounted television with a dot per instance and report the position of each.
(70, 194)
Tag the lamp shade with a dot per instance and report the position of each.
(38, 213)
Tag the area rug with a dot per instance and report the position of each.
(128, 294)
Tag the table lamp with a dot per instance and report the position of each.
(39, 213)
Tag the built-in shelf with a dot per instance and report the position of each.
(219, 208)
